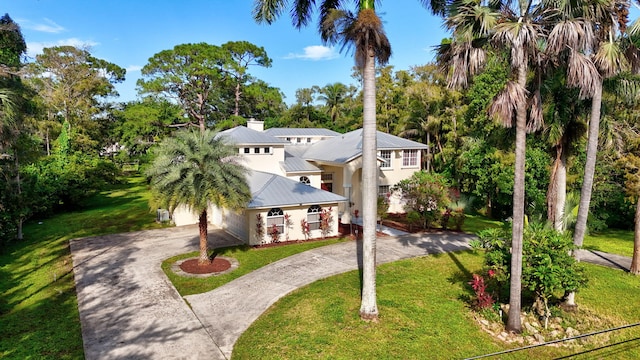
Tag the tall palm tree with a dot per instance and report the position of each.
(362, 31)
(195, 169)
(512, 26)
(610, 58)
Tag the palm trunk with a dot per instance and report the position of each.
(589, 172)
(635, 261)
(557, 193)
(514, 323)
(368, 306)
(589, 167)
(236, 110)
(204, 251)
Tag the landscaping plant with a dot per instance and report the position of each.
(548, 269)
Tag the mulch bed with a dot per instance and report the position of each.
(191, 266)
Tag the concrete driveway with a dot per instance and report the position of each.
(130, 310)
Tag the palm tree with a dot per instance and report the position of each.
(364, 32)
(610, 58)
(333, 96)
(196, 169)
(510, 26)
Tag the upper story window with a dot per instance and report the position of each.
(305, 180)
(308, 140)
(385, 155)
(256, 150)
(267, 150)
(298, 140)
(247, 150)
(410, 158)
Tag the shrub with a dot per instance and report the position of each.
(425, 193)
(547, 266)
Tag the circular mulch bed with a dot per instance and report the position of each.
(192, 266)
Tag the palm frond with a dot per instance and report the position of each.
(301, 12)
(536, 120)
(268, 10)
(576, 34)
(367, 34)
(582, 74)
(505, 103)
(610, 59)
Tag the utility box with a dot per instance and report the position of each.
(162, 215)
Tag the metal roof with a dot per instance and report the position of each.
(270, 190)
(346, 147)
(292, 164)
(241, 135)
(293, 132)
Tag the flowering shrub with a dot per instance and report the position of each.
(306, 230)
(274, 233)
(425, 193)
(326, 219)
(288, 224)
(259, 228)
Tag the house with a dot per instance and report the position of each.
(300, 177)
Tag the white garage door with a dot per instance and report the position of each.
(237, 225)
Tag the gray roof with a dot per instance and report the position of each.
(270, 190)
(241, 135)
(346, 147)
(294, 164)
(293, 132)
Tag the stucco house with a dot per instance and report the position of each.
(300, 176)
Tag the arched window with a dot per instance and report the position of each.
(305, 180)
(313, 217)
(275, 217)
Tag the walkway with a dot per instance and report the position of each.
(128, 308)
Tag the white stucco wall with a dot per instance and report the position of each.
(294, 230)
(263, 162)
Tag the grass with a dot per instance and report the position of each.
(38, 308)
(422, 316)
(249, 258)
(475, 223)
(612, 241)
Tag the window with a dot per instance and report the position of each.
(275, 217)
(383, 191)
(256, 150)
(308, 140)
(313, 217)
(288, 139)
(305, 180)
(267, 150)
(327, 182)
(298, 140)
(385, 155)
(246, 150)
(410, 158)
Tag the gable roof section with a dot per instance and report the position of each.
(346, 147)
(293, 132)
(241, 135)
(270, 190)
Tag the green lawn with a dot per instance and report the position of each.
(612, 241)
(249, 258)
(422, 316)
(38, 307)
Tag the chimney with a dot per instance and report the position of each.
(256, 125)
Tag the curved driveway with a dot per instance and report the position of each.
(130, 310)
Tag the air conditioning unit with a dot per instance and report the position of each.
(162, 215)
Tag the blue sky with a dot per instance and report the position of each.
(129, 32)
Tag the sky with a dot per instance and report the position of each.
(129, 32)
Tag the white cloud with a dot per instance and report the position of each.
(35, 48)
(315, 52)
(133, 68)
(49, 26)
